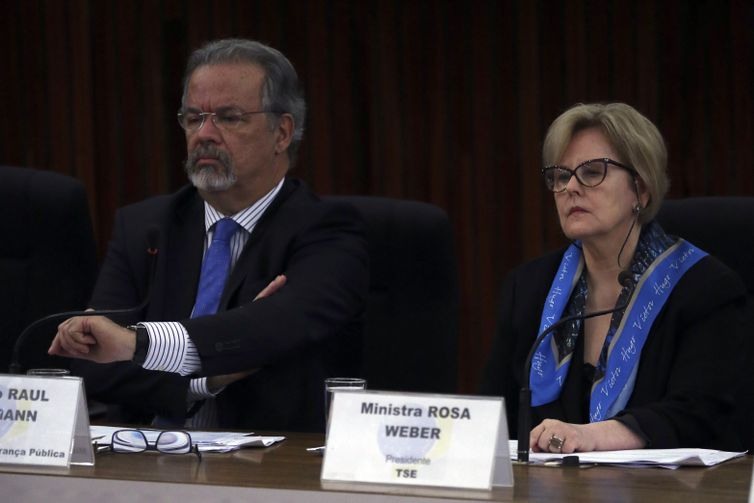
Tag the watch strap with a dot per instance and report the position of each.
(142, 344)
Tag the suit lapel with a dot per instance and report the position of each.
(184, 257)
(248, 256)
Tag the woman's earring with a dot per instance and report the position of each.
(637, 208)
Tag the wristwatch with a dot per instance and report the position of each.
(142, 343)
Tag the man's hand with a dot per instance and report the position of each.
(275, 285)
(94, 338)
(100, 340)
(216, 383)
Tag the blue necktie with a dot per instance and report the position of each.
(215, 268)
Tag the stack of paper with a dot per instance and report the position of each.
(663, 458)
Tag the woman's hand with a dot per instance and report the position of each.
(558, 437)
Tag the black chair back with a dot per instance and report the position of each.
(411, 336)
(47, 257)
(724, 228)
(721, 226)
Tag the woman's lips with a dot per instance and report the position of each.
(576, 209)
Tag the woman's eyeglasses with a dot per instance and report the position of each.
(167, 442)
(589, 173)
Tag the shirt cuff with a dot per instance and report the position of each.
(198, 390)
(170, 349)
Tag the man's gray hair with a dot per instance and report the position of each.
(281, 91)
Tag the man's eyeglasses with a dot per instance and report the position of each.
(226, 120)
(589, 173)
(167, 442)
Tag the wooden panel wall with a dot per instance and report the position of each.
(440, 101)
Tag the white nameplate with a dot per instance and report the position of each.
(417, 439)
(44, 421)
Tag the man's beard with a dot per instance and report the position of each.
(210, 178)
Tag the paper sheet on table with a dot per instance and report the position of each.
(207, 441)
(662, 458)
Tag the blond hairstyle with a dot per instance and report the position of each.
(634, 138)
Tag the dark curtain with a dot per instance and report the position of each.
(441, 101)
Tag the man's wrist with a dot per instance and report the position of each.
(142, 344)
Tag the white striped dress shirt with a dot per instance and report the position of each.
(170, 347)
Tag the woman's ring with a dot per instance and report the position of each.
(557, 443)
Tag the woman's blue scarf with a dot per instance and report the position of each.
(658, 265)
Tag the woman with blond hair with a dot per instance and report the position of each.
(659, 373)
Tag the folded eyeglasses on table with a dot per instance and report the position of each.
(129, 441)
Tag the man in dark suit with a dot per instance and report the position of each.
(253, 354)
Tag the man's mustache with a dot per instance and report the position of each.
(204, 152)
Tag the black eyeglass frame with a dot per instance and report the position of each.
(192, 447)
(574, 172)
